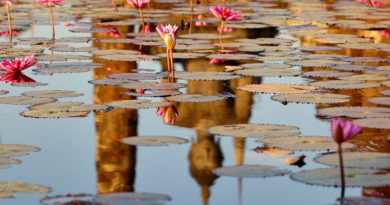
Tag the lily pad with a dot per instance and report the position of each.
(108, 81)
(378, 123)
(277, 88)
(137, 104)
(385, 92)
(304, 143)
(380, 100)
(154, 93)
(153, 140)
(317, 63)
(251, 171)
(134, 57)
(136, 76)
(29, 84)
(354, 112)
(319, 48)
(235, 56)
(8, 150)
(268, 72)
(208, 36)
(312, 98)
(345, 84)
(24, 100)
(353, 177)
(327, 74)
(364, 60)
(265, 65)
(52, 94)
(206, 76)
(3, 92)
(254, 130)
(7, 189)
(374, 160)
(55, 105)
(182, 55)
(352, 67)
(132, 198)
(52, 113)
(194, 98)
(152, 85)
(364, 77)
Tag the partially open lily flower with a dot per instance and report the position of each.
(138, 3)
(169, 114)
(9, 2)
(167, 34)
(51, 2)
(343, 130)
(6, 33)
(18, 64)
(225, 14)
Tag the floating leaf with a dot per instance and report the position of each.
(24, 100)
(134, 57)
(364, 77)
(380, 100)
(386, 83)
(3, 92)
(353, 177)
(251, 171)
(277, 88)
(235, 56)
(55, 105)
(52, 113)
(206, 76)
(8, 150)
(52, 94)
(8, 188)
(327, 74)
(274, 151)
(132, 198)
(268, 72)
(194, 98)
(378, 123)
(254, 130)
(137, 104)
(153, 140)
(352, 67)
(115, 52)
(319, 48)
(29, 84)
(154, 93)
(312, 98)
(385, 92)
(345, 84)
(108, 81)
(362, 46)
(279, 58)
(354, 112)
(375, 160)
(266, 65)
(6, 160)
(317, 63)
(209, 36)
(182, 55)
(152, 85)
(136, 76)
(364, 60)
(266, 41)
(304, 143)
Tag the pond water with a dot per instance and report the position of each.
(84, 154)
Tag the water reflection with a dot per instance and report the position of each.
(15, 77)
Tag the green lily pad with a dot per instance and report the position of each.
(364, 77)
(378, 123)
(24, 100)
(312, 98)
(380, 100)
(132, 198)
(265, 65)
(3, 92)
(153, 140)
(277, 88)
(7, 189)
(8, 150)
(345, 84)
(354, 112)
(152, 85)
(317, 63)
(374, 160)
(194, 98)
(52, 94)
(254, 130)
(52, 113)
(304, 143)
(268, 72)
(137, 104)
(327, 74)
(206, 76)
(353, 177)
(251, 171)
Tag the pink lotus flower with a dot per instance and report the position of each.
(51, 2)
(15, 77)
(343, 130)
(18, 64)
(385, 33)
(228, 30)
(9, 2)
(6, 33)
(167, 34)
(225, 14)
(169, 114)
(138, 3)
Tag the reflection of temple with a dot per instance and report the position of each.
(115, 161)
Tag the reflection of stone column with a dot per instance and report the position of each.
(239, 155)
(115, 162)
(205, 155)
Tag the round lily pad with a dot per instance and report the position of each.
(374, 160)
(345, 84)
(58, 57)
(152, 85)
(153, 140)
(208, 36)
(327, 74)
(29, 84)
(7, 189)
(206, 76)
(278, 58)
(265, 65)
(312, 98)
(378, 123)
(352, 67)
(114, 52)
(254, 130)
(52, 94)
(134, 57)
(380, 100)
(154, 93)
(386, 83)
(132, 198)
(360, 46)
(3, 92)
(8, 150)
(52, 113)
(364, 60)
(251, 171)
(54, 105)
(235, 56)
(364, 77)
(317, 63)
(108, 81)
(182, 55)
(194, 98)
(277, 88)
(354, 112)
(385, 92)
(136, 76)
(24, 100)
(319, 48)
(304, 143)
(137, 104)
(7, 160)
(268, 72)
(266, 41)
(353, 177)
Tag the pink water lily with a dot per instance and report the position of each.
(18, 64)
(167, 34)
(139, 4)
(9, 2)
(16, 77)
(49, 3)
(169, 114)
(7, 33)
(224, 14)
(343, 130)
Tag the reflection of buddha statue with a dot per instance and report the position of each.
(115, 161)
(205, 155)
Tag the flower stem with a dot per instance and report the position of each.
(9, 24)
(114, 5)
(222, 25)
(341, 171)
(52, 21)
(172, 68)
(168, 61)
(142, 18)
